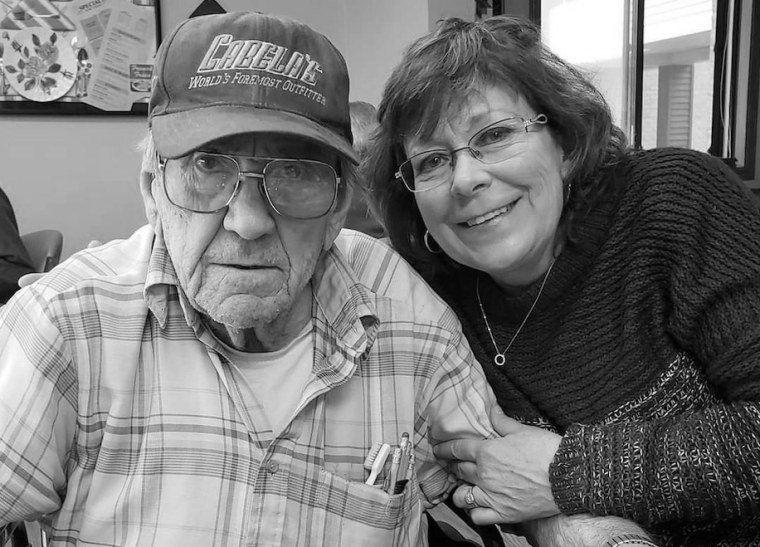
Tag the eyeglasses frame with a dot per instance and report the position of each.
(539, 119)
(243, 174)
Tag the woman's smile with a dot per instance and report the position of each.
(496, 213)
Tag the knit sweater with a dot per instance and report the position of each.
(643, 351)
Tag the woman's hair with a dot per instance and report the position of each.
(440, 71)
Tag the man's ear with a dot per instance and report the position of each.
(147, 179)
(338, 217)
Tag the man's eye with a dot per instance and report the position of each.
(205, 163)
(291, 171)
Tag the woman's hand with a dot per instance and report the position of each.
(510, 474)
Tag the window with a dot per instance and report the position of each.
(675, 72)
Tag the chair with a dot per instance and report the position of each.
(23, 534)
(44, 248)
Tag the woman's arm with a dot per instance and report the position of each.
(585, 531)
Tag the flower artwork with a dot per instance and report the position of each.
(83, 57)
(38, 65)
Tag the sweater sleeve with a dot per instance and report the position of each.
(703, 464)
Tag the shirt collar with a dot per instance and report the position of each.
(347, 305)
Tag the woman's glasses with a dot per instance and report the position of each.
(206, 182)
(492, 144)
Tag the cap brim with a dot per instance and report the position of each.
(180, 133)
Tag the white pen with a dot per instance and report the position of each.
(394, 469)
(404, 445)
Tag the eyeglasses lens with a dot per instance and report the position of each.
(301, 189)
(492, 144)
(427, 170)
(201, 182)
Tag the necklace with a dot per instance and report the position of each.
(499, 359)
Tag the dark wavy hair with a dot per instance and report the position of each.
(439, 71)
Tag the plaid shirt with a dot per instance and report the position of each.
(122, 420)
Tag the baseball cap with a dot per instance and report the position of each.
(244, 72)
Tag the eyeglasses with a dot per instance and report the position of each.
(492, 144)
(207, 182)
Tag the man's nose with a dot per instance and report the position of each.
(249, 215)
(468, 173)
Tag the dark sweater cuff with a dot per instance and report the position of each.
(566, 473)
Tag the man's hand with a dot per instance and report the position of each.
(579, 531)
(510, 474)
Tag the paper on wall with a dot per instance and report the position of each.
(120, 72)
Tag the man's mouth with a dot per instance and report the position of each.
(491, 215)
(247, 267)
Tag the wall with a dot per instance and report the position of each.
(79, 174)
(440, 9)
(371, 34)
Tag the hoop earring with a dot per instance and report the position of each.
(568, 191)
(426, 240)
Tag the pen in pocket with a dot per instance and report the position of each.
(405, 446)
(407, 462)
(395, 462)
(401, 483)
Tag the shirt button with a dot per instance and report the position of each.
(273, 467)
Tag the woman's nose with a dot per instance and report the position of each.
(469, 174)
(249, 215)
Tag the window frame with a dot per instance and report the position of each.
(725, 89)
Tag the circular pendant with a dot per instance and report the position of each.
(499, 360)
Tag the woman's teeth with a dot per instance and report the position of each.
(488, 216)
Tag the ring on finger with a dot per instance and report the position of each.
(469, 498)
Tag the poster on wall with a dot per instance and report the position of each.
(77, 56)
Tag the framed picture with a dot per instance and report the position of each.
(77, 56)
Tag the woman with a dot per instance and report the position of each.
(612, 295)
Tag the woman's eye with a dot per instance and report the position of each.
(493, 135)
(432, 162)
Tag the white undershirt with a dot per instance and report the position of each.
(277, 379)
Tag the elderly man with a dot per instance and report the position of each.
(220, 377)
(236, 373)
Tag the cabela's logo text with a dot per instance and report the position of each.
(225, 53)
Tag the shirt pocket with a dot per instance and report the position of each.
(361, 515)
